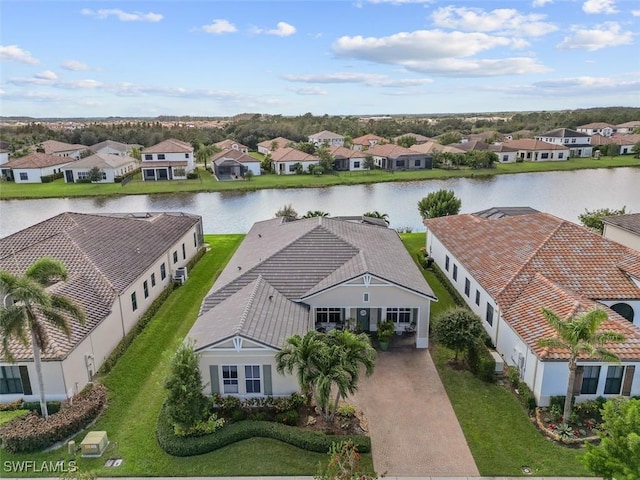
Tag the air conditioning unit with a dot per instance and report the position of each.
(499, 361)
(181, 275)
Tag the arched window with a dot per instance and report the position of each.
(624, 310)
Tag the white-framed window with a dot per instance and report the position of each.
(356, 164)
(590, 377)
(229, 379)
(161, 156)
(83, 175)
(148, 156)
(252, 378)
(10, 381)
(613, 382)
(24, 176)
(365, 297)
(399, 315)
(330, 315)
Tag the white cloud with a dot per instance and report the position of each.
(46, 75)
(575, 86)
(122, 15)
(309, 91)
(13, 53)
(219, 27)
(609, 34)
(540, 3)
(635, 13)
(75, 66)
(599, 6)
(283, 29)
(369, 79)
(505, 20)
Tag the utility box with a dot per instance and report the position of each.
(94, 444)
(72, 447)
(499, 362)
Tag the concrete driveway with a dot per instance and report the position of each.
(413, 429)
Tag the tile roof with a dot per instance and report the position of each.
(427, 147)
(597, 125)
(419, 138)
(37, 160)
(170, 145)
(325, 135)
(502, 148)
(626, 139)
(233, 154)
(532, 144)
(228, 144)
(103, 160)
(344, 152)
(499, 212)
(391, 151)
(281, 141)
(562, 133)
(121, 147)
(629, 222)
(290, 154)
(366, 139)
(473, 145)
(631, 124)
(104, 254)
(54, 146)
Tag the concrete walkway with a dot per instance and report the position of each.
(413, 428)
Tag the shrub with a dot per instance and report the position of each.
(15, 405)
(203, 427)
(192, 176)
(52, 407)
(442, 278)
(288, 418)
(346, 410)
(481, 362)
(238, 415)
(526, 396)
(33, 433)
(514, 376)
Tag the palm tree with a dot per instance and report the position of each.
(580, 335)
(315, 213)
(298, 354)
(31, 305)
(376, 214)
(204, 153)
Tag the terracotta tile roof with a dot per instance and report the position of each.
(532, 144)
(629, 222)
(347, 152)
(598, 139)
(597, 125)
(170, 145)
(119, 146)
(502, 148)
(290, 154)
(626, 139)
(228, 144)
(233, 154)
(281, 141)
(367, 139)
(427, 147)
(38, 160)
(391, 151)
(53, 146)
(325, 135)
(472, 145)
(631, 124)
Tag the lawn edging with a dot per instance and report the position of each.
(246, 429)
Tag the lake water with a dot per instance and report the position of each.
(564, 194)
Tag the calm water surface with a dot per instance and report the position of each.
(564, 194)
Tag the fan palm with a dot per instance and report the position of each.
(27, 305)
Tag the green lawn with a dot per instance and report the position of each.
(136, 394)
(500, 435)
(207, 183)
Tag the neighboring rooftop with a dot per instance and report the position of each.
(37, 160)
(325, 135)
(103, 160)
(54, 146)
(170, 145)
(629, 222)
(118, 146)
(391, 150)
(500, 212)
(563, 133)
(290, 154)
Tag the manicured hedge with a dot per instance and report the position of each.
(442, 278)
(235, 432)
(52, 407)
(33, 433)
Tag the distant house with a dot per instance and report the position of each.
(579, 144)
(628, 127)
(428, 147)
(285, 160)
(537, 150)
(290, 277)
(114, 148)
(61, 149)
(394, 157)
(168, 160)
(420, 139)
(117, 264)
(232, 145)
(543, 261)
(233, 164)
(366, 141)
(266, 147)
(31, 168)
(505, 154)
(110, 165)
(4, 156)
(600, 128)
(624, 229)
(482, 137)
(518, 135)
(327, 138)
(348, 159)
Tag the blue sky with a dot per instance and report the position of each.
(363, 57)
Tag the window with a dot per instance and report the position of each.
(566, 140)
(184, 252)
(505, 158)
(186, 155)
(145, 287)
(624, 310)
(399, 315)
(365, 297)
(83, 175)
(292, 168)
(356, 164)
(10, 381)
(163, 271)
(417, 162)
(148, 156)
(332, 315)
(24, 176)
(104, 175)
(153, 279)
(560, 155)
(399, 163)
(134, 301)
(455, 271)
(161, 156)
(467, 287)
(446, 263)
(590, 376)
(613, 383)
(229, 379)
(544, 155)
(489, 317)
(478, 297)
(175, 256)
(195, 240)
(252, 378)
(573, 140)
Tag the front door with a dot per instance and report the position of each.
(364, 315)
(68, 176)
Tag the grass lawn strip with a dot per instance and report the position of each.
(499, 432)
(208, 183)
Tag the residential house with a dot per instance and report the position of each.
(537, 150)
(366, 141)
(267, 146)
(489, 136)
(509, 264)
(61, 149)
(4, 156)
(394, 157)
(624, 229)
(518, 135)
(505, 153)
(232, 145)
(168, 160)
(348, 159)
(284, 160)
(420, 139)
(579, 144)
(290, 277)
(628, 127)
(625, 142)
(111, 166)
(233, 164)
(118, 264)
(429, 147)
(114, 148)
(600, 128)
(31, 168)
(327, 138)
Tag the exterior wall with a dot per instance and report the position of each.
(506, 157)
(263, 150)
(544, 155)
(171, 157)
(625, 237)
(330, 142)
(112, 151)
(35, 174)
(254, 167)
(75, 154)
(4, 157)
(52, 377)
(285, 169)
(111, 173)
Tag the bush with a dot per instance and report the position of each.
(481, 362)
(526, 396)
(346, 410)
(305, 439)
(288, 418)
(33, 433)
(52, 407)
(203, 427)
(15, 405)
(51, 178)
(192, 176)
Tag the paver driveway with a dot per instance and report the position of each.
(413, 429)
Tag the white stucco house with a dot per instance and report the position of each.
(111, 166)
(31, 168)
(509, 263)
(628, 127)
(233, 164)
(624, 229)
(284, 160)
(4, 156)
(529, 149)
(505, 154)
(348, 159)
(290, 277)
(578, 143)
(600, 128)
(61, 149)
(229, 144)
(394, 157)
(112, 147)
(327, 138)
(118, 264)
(170, 159)
(366, 141)
(267, 146)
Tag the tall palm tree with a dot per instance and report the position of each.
(204, 153)
(333, 374)
(27, 304)
(580, 336)
(298, 354)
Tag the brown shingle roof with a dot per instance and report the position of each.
(170, 145)
(37, 160)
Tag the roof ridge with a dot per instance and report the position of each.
(245, 313)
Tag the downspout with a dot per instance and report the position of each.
(64, 380)
(497, 324)
(121, 315)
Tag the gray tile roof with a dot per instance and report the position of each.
(119, 146)
(629, 222)
(103, 160)
(499, 212)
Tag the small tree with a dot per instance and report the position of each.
(406, 141)
(636, 150)
(369, 162)
(248, 175)
(593, 219)
(458, 329)
(288, 212)
(265, 164)
(344, 464)
(440, 203)
(136, 153)
(186, 404)
(618, 454)
(327, 161)
(94, 175)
